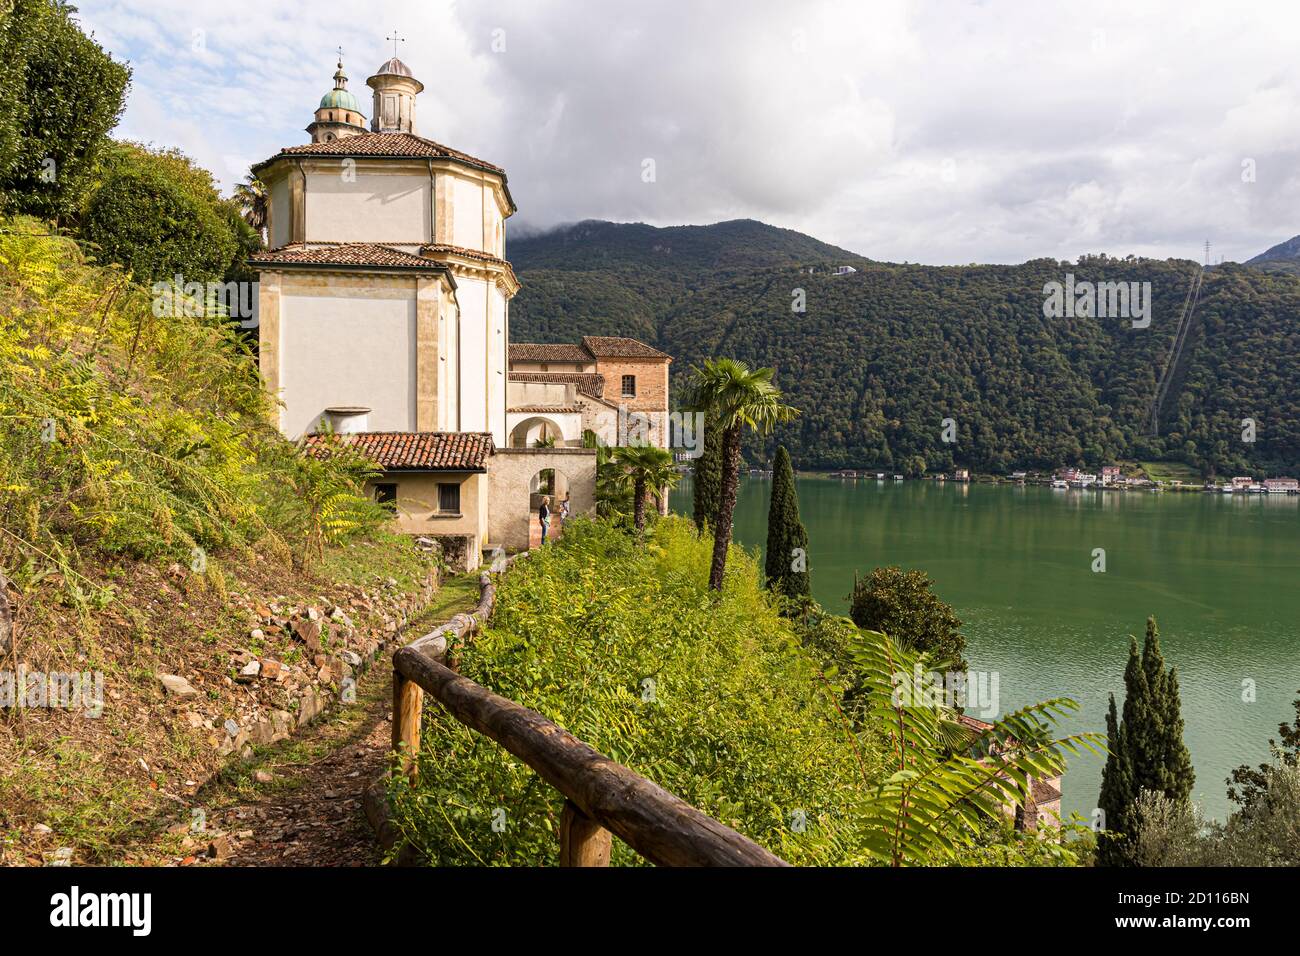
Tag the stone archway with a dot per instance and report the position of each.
(536, 432)
(519, 477)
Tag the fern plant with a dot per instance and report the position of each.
(948, 778)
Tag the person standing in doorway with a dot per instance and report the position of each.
(544, 516)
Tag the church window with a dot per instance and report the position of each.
(629, 386)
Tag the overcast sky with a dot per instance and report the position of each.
(940, 132)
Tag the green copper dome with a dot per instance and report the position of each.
(339, 99)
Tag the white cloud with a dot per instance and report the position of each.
(929, 131)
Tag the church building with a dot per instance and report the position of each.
(384, 318)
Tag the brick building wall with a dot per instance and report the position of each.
(651, 390)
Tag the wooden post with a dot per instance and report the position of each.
(583, 842)
(408, 701)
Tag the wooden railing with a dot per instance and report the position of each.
(601, 796)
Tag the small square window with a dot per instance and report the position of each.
(386, 495)
(448, 497)
(629, 386)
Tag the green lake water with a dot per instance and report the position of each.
(1219, 572)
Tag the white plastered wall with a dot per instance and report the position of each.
(347, 340)
(386, 207)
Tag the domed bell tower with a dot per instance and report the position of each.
(394, 103)
(338, 114)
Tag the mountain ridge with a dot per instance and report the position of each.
(881, 356)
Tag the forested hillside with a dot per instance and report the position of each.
(882, 356)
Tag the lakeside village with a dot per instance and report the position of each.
(1111, 478)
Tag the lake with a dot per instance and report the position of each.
(1219, 572)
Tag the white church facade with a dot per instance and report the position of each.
(384, 317)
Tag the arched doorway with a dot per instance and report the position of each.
(552, 486)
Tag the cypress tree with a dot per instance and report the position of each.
(1147, 751)
(786, 560)
(1178, 759)
(1143, 724)
(1117, 796)
(706, 478)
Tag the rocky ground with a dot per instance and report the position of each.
(202, 674)
(299, 802)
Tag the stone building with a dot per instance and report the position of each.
(604, 385)
(383, 306)
(1043, 804)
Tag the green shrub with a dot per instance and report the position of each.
(159, 216)
(737, 720)
(62, 95)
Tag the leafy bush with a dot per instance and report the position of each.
(62, 95)
(903, 605)
(624, 646)
(715, 699)
(159, 215)
(1265, 833)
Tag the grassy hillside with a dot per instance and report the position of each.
(718, 698)
(880, 357)
(153, 522)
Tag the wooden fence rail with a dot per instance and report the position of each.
(601, 796)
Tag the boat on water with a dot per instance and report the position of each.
(1060, 483)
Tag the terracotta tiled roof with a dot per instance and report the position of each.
(345, 254)
(1045, 791)
(415, 451)
(463, 251)
(442, 249)
(606, 346)
(537, 352)
(406, 145)
(591, 348)
(545, 409)
(589, 383)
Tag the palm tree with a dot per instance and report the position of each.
(735, 397)
(650, 470)
(252, 199)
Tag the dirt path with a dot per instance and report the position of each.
(300, 802)
(306, 809)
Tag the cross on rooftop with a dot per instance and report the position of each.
(396, 40)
